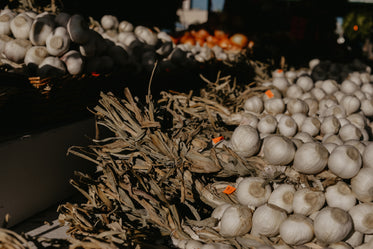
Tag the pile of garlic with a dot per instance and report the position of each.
(54, 45)
(306, 130)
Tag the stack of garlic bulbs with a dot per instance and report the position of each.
(317, 134)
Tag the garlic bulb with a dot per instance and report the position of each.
(327, 102)
(349, 131)
(274, 106)
(267, 124)
(348, 86)
(278, 150)
(367, 88)
(368, 156)
(245, 140)
(5, 19)
(4, 39)
(125, 26)
(21, 26)
(362, 216)
(253, 104)
(332, 225)
(282, 197)
(15, 50)
(287, 126)
(362, 185)
(219, 210)
(340, 195)
(345, 161)
(329, 86)
(305, 82)
(297, 229)
(280, 83)
(297, 105)
(266, 220)
(251, 191)
(58, 42)
(235, 221)
(276, 94)
(307, 201)
(35, 55)
(318, 93)
(330, 125)
(311, 125)
(52, 66)
(310, 158)
(336, 110)
(367, 107)
(40, 30)
(299, 119)
(109, 22)
(145, 35)
(360, 95)
(351, 104)
(294, 91)
(73, 61)
(313, 106)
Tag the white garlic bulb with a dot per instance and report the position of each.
(297, 229)
(330, 125)
(299, 119)
(282, 197)
(280, 83)
(278, 150)
(351, 104)
(348, 86)
(5, 19)
(275, 94)
(297, 105)
(73, 61)
(58, 42)
(235, 221)
(305, 82)
(318, 93)
(362, 216)
(367, 88)
(15, 50)
(357, 144)
(21, 26)
(294, 91)
(311, 125)
(35, 55)
(345, 161)
(266, 220)
(313, 106)
(52, 66)
(287, 126)
(274, 106)
(340, 195)
(355, 239)
(146, 35)
(339, 95)
(125, 26)
(367, 107)
(267, 124)
(219, 210)
(304, 137)
(350, 131)
(109, 22)
(362, 185)
(357, 119)
(254, 104)
(307, 201)
(310, 158)
(4, 39)
(245, 140)
(332, 225)
(329, 86)
(252, 192)
(368, 156)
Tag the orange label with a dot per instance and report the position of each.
(280, 70)
(229, 190)
(269, 94)
(217, 139)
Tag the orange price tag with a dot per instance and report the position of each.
(280, 70)
(217, 139)
(229, 190)
(269, 94)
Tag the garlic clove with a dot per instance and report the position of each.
(307, 201)
(345, 161)
(362, 216)
(362, 185)
(21, 26)
(297, 229)
(266, 220)
(282, 197)
(351, 104)
(58, 42)
(340, 195)
(235, 221)
(332, 225)
(251, 191)
(278, 150)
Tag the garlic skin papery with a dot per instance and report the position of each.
(296, 229)
(266, 220)
(340, 195)
(274, 106)
(245, 140)
(267, 124)
(311, 158)
(235, 221)
(307, 201)
(254, 104)
(287, 126)
(362, 185)
(345, 161)
(332, 225)
(330, 125)
(278, 150)
(251, 192)
(282, 197)
(362, 216)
